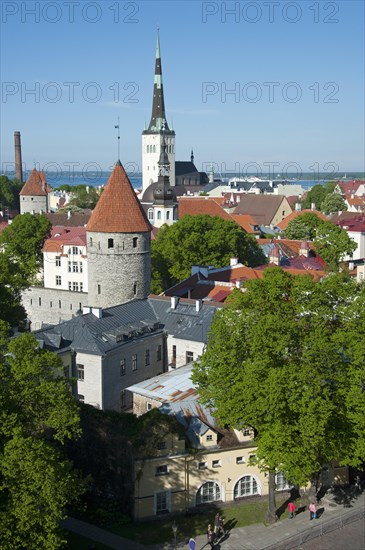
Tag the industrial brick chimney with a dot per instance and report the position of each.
(18, 157)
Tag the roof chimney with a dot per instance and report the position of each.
(233, 261)
(298, 207)
(304, 249)
(198, 305)
(97, 311)
(313, 206)
(274, 257)
(18, 157)
(174, 302)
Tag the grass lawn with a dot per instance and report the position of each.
(154, 532)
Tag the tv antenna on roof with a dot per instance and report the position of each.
(117, 127)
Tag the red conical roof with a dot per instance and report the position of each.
(118, 210)
(34, 185)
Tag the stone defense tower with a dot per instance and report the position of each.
(158, 128)
(18, 157)
(34, 194)
(118, 245)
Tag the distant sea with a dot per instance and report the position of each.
(100, 178)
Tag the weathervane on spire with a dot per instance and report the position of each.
(117, 127)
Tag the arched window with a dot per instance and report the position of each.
(282, 484)
(158, 214)
(246, 486)
(167, 215)
(150, 214)
(209, 492)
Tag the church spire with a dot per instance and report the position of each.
(158, 117)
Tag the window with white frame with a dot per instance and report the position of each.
(75, 267)
(246, 486)
(58, 280)
(80, 372)
(202, 465)
(150, 214)
(162, 470)
(246, 432)
(209, 437)
(240, 460)
(75, 286)
(282, 484)
(216, 463)
(209, 492)
(75, 250)
(81, 287)
(189, 356)
(58, 261)
(162, 502)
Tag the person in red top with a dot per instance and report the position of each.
(291, 508)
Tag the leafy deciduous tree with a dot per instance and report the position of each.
(332, 244)
(333, 202)
(37, 415)
(203, 240)
(303, 226)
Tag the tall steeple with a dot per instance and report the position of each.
(158, 127)
(158, 117)
(164, 200)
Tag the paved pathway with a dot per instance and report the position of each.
(257, 537)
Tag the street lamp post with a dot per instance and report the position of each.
(174, 529)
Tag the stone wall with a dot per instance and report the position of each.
(50, 306)
(29, 204)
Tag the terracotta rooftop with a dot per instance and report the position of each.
(284, 223)
(61, 235)
(349, 187)
(35, 185)
(194, 206)
(118, 210)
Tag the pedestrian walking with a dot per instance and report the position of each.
(216, 526)
(312, 511)
(191, 544)
(358, 483)
(291, 508)
(210, 536)
(221, 525)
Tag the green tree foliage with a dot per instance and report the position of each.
(303, 227)
(23, 241)
(332, 244)
(274, 362)
(203, 240)
(11, 284)
(333, 202)
(9, 193)
(84, 196)
(317, 194)
(37, 415)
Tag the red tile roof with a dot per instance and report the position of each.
(356, 224)
(61, 236)
(284, 223)
(247, 223)
(118, 210)
(349, 187)
(35, 185)
(194, 206)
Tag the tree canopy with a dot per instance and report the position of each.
(23, 241)
(9, 193)
(333, 244)
(317, 194)
(203, 240)
(275, 362)
(303, 227)
(333, 202)
(37, 415)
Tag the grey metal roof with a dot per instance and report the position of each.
(184, 322)
(87, 333)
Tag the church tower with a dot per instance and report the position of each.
(118, 245)
(152, 136)
(164, 200)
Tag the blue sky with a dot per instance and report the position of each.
(269, 53)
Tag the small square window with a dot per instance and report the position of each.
(161, 445)
(209, 437)
(162, 470)
(189, 356)
(216, 463)
(149, 406)
(240, 460)
(247, 432)
(81, 398)
(202, 465)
